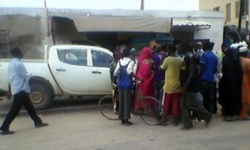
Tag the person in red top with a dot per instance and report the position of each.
(145, 71)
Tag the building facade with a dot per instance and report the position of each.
(32, 29)
(231, 10)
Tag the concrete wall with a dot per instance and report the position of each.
(27, 29)
(24, 30)
(215, 33)
(211, 4)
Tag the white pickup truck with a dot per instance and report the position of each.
(67, 70)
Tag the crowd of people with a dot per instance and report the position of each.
(185, 78)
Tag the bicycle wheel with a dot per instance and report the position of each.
(152, 116)
(105, 106)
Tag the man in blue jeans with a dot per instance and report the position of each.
(208, 66)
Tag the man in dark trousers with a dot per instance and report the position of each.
(20, 89)
(189, 89)
(208, 66)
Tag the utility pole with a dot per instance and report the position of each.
(247, 10)
(142, 4)
(47, 17)
(241, 14)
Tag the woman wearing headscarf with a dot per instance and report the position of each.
(230, 85)
(145, 71)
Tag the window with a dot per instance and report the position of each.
(74, 57)
(237, 9)
(228, 11)
(101, 59)
(4, 43)
(217, 8)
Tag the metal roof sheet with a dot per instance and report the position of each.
(132, 21)
(187, 22)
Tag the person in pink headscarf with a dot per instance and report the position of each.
(145, 71)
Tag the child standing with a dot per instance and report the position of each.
(112, 67)
(124, 71)
(172, 88)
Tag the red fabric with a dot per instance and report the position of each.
(245, 63)
(145, 54)
(144, 71)
(244, 111)
(174, 100)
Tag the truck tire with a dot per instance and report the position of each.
(41, 95)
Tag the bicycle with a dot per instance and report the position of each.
(149, 115)
(106, 104)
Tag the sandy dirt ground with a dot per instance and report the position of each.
(88, 130)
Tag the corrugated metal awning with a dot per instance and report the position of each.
(124, 24)
(177, 22)
(119, 21)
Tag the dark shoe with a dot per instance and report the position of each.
(234, 118)
(158, 117)
(227, 118)
(136, 112)
(122, 122)
(6, 132)
(186, 128)
(116, 112)
(214, 111)
(207, 122)
(41, 125)
(163, 122)
(128, 123)
(231, 118)
(175, 123)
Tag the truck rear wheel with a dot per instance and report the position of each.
(41, 96)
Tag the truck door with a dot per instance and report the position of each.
(71, 70)
(100, 82)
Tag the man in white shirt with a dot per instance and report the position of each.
(19, 83)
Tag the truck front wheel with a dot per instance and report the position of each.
(41, 96)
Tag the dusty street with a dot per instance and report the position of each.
(88, 130)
